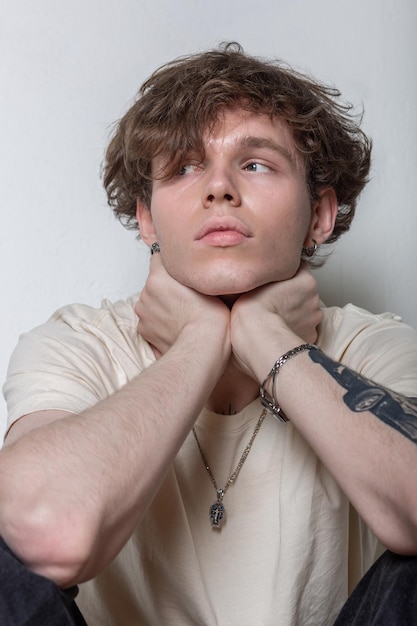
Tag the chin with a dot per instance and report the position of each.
(226, 289)
(227, 280)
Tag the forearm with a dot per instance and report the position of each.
(366, 451)
(371, 453)
(73, 491)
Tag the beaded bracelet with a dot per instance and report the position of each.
(269, 401)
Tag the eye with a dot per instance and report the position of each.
(254, 166)
(188, 168)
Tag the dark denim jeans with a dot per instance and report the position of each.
(27, 599)
(386, 596)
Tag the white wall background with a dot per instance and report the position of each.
(69, 69)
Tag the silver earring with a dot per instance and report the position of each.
(155, 247)
(307, 252)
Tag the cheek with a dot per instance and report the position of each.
(282, 254)
(169, 217)
(287, 235)
(283, 265)
(166, 228)
(175, 256)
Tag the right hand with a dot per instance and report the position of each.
(166, 308)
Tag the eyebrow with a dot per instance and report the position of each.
(270, 144)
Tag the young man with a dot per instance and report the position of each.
(142, 455)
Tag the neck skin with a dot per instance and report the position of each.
(234, 389)
(233, 392)
(230, 300)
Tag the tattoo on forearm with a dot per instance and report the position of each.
(395, 410)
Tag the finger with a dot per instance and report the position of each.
(305, 272)
(155, 260)
(304, 268)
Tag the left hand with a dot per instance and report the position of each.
(288, 307)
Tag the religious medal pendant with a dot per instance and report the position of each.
(217, 511)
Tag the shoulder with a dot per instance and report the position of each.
(81, 325)
(379, 346)
(341, 325)
(80, 355)
(79, 330)
(110, 315)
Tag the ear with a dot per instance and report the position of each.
(146, 225)
(323, 217)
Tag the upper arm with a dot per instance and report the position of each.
(30, 422)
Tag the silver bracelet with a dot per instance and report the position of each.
(269, 401)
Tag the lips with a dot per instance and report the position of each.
(222, 225)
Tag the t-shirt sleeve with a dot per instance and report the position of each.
(79, 357)
(379, 347)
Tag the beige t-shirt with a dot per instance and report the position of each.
(291, 546)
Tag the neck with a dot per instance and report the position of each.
(229, 300)
(233, 392)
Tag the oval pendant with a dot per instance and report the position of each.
(217, 514)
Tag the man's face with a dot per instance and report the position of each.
(238, 219)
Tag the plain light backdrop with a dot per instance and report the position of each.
(68, 70)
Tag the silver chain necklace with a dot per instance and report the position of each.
(217, 510)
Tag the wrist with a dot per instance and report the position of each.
(258, 348)
(269, 398)
(205, 340)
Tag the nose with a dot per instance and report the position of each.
(220, 186)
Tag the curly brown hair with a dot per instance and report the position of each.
(184, 98)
